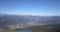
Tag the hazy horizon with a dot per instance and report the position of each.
(26, 14)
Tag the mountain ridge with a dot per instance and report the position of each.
(6, 19)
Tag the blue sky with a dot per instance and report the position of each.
(33, 7)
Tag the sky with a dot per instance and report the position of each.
(30, 7)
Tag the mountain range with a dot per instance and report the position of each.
(8, 19)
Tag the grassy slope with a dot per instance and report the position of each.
(55, 28)
(46, 28)
(6, 30)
